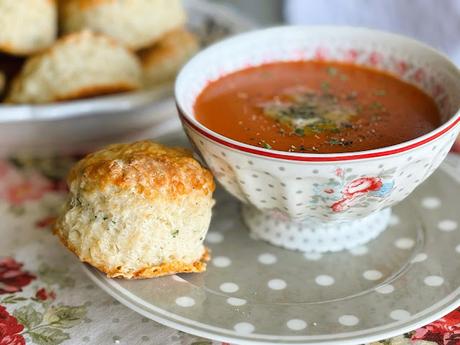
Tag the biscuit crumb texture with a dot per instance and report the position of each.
(162, 61)
(138, 210)
(79, 65)
(153, 18)
(27, 26)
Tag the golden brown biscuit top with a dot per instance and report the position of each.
(85, 4)
(172, 43)
(150, 168)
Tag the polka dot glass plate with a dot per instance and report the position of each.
(255, 293)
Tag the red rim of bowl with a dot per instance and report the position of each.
(190, 120)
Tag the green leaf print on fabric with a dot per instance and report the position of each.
(48, 327)
(65, 316)
(28, 316)
(12, 299)
(48, 336)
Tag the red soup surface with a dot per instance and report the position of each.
(316, 107)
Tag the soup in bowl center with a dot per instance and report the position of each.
(318, 131)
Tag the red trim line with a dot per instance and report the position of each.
(316, 159)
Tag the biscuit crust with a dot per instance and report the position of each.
(148, 167)
(162, 61)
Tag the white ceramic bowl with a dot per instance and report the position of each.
(322, 202)
(81, 125)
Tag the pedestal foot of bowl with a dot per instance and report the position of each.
(313, 236)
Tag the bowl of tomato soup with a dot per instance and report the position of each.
(319, 130)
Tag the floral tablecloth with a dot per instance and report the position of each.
(46, 299)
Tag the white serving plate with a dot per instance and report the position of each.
(84, 124)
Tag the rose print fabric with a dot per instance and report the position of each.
(46, 299)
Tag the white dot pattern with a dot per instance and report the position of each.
(385, 289)
(348, 320)
(372, 275)
(267, 259)
(433, 281)
(296, 324)
(431, 203)
(276, 284)
(404, 243)
(185, 301)
(214, 237)
(221, 261)
(244, 328)
(419, 258)
(447, 225)
(229, 287)
(324, 280)
(237, 302)
(400, 314)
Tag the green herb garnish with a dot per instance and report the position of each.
(175, 233)
(340, 142)
(325, 86)
(332, 71)
(299, 131)
(305, 112)
(265, 145)
(376, 106)
(380, 93)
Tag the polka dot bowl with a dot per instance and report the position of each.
(321, 202)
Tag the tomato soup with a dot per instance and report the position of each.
(316, 107)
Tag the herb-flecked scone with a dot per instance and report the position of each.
(134, 23)
(27, 26)
(79, 65)
(138, 210)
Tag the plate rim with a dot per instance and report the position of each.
(117, 292)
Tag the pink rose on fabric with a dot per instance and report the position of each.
(43, 294)
(12, 278)
(10, 329)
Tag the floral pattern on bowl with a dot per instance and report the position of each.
(348, 190)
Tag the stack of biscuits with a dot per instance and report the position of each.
(72, 49)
